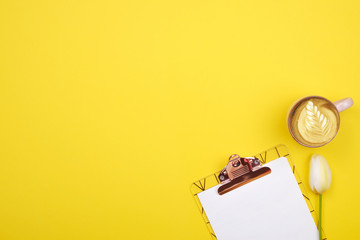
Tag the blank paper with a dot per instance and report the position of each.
(271, 207)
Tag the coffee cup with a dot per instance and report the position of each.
(314, 121)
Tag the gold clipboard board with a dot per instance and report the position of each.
(265, 157)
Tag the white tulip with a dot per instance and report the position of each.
(320, 174)
(320, 180)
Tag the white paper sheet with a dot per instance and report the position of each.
(271, 207)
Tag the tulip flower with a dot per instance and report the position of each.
(320, 180)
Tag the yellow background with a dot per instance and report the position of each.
(111, 109)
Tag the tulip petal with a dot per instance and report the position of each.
(320, 174)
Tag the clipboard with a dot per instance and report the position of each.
(264, 157)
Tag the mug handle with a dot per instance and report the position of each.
(343, 104)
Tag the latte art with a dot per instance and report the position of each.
(315, 121)
(316, 125)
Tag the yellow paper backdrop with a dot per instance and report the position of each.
(111, 109)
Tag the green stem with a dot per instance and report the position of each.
(320, 213)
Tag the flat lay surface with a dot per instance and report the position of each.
(111, 109)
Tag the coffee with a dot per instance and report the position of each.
(314, 121)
